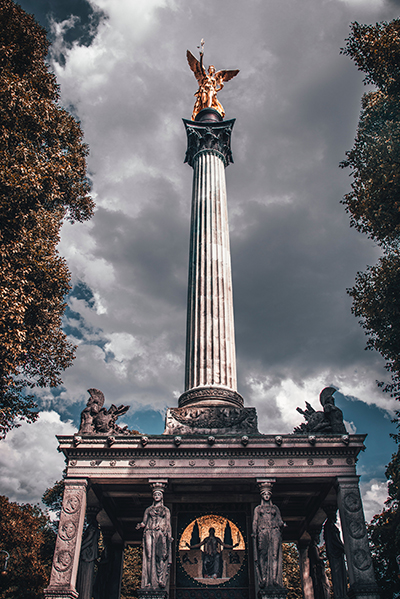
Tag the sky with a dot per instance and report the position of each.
(122, 71)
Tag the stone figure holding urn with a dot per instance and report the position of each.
(157, 541)
(267, 539)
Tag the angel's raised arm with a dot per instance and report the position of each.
(196, 66)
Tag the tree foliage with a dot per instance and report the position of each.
(53, 497)
(376, 300)
(374, 207)
(42, 182)
(291, 571)
(25, 533)
(131, 572)
(374, 160)
(384, 534)
(374, 200)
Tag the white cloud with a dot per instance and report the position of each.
(374, 494)
(29, 461)
(368, 4)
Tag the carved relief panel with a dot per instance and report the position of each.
(66, 554)
(355, 535)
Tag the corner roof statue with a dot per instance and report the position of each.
(209, 82)
(330, 421)
(95, 419)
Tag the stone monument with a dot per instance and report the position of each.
(191, 496)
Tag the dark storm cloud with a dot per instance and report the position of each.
(84, 23)
(296, 101)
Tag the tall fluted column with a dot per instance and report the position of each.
(210, 376)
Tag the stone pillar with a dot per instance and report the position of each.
(358, 555)
(117, 556)
(89, 554)
(68, 543)
(304, 562)
(107, 584)
(210, 373)
(319, 579)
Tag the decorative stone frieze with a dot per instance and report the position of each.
(205, 419)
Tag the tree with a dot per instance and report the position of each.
(53, 497)
(374, 160)
(131, 572)
(384, 535)
(374, 208)
(42, 182)
(26, 534)
(374, 200)
(291, 571)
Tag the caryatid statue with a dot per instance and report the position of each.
(210, 82)
(267, 539)
(157, 541)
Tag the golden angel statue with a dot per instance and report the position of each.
(209, 82)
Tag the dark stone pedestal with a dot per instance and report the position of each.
(272, 593)
(152, 594)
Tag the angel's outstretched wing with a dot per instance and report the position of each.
(117, 411)
(225, 75)
(195, 66)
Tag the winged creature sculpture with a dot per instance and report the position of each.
(97, 419)
(210, 82)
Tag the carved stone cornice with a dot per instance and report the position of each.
(257, 442)
(214, 138)
(191, 456)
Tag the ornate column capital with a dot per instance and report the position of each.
(158, 484)
(265, 484)
(210, 137)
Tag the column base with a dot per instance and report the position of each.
(272, 593)
(57, 593)
(364, 591)
(210, 395)
(152, 594)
